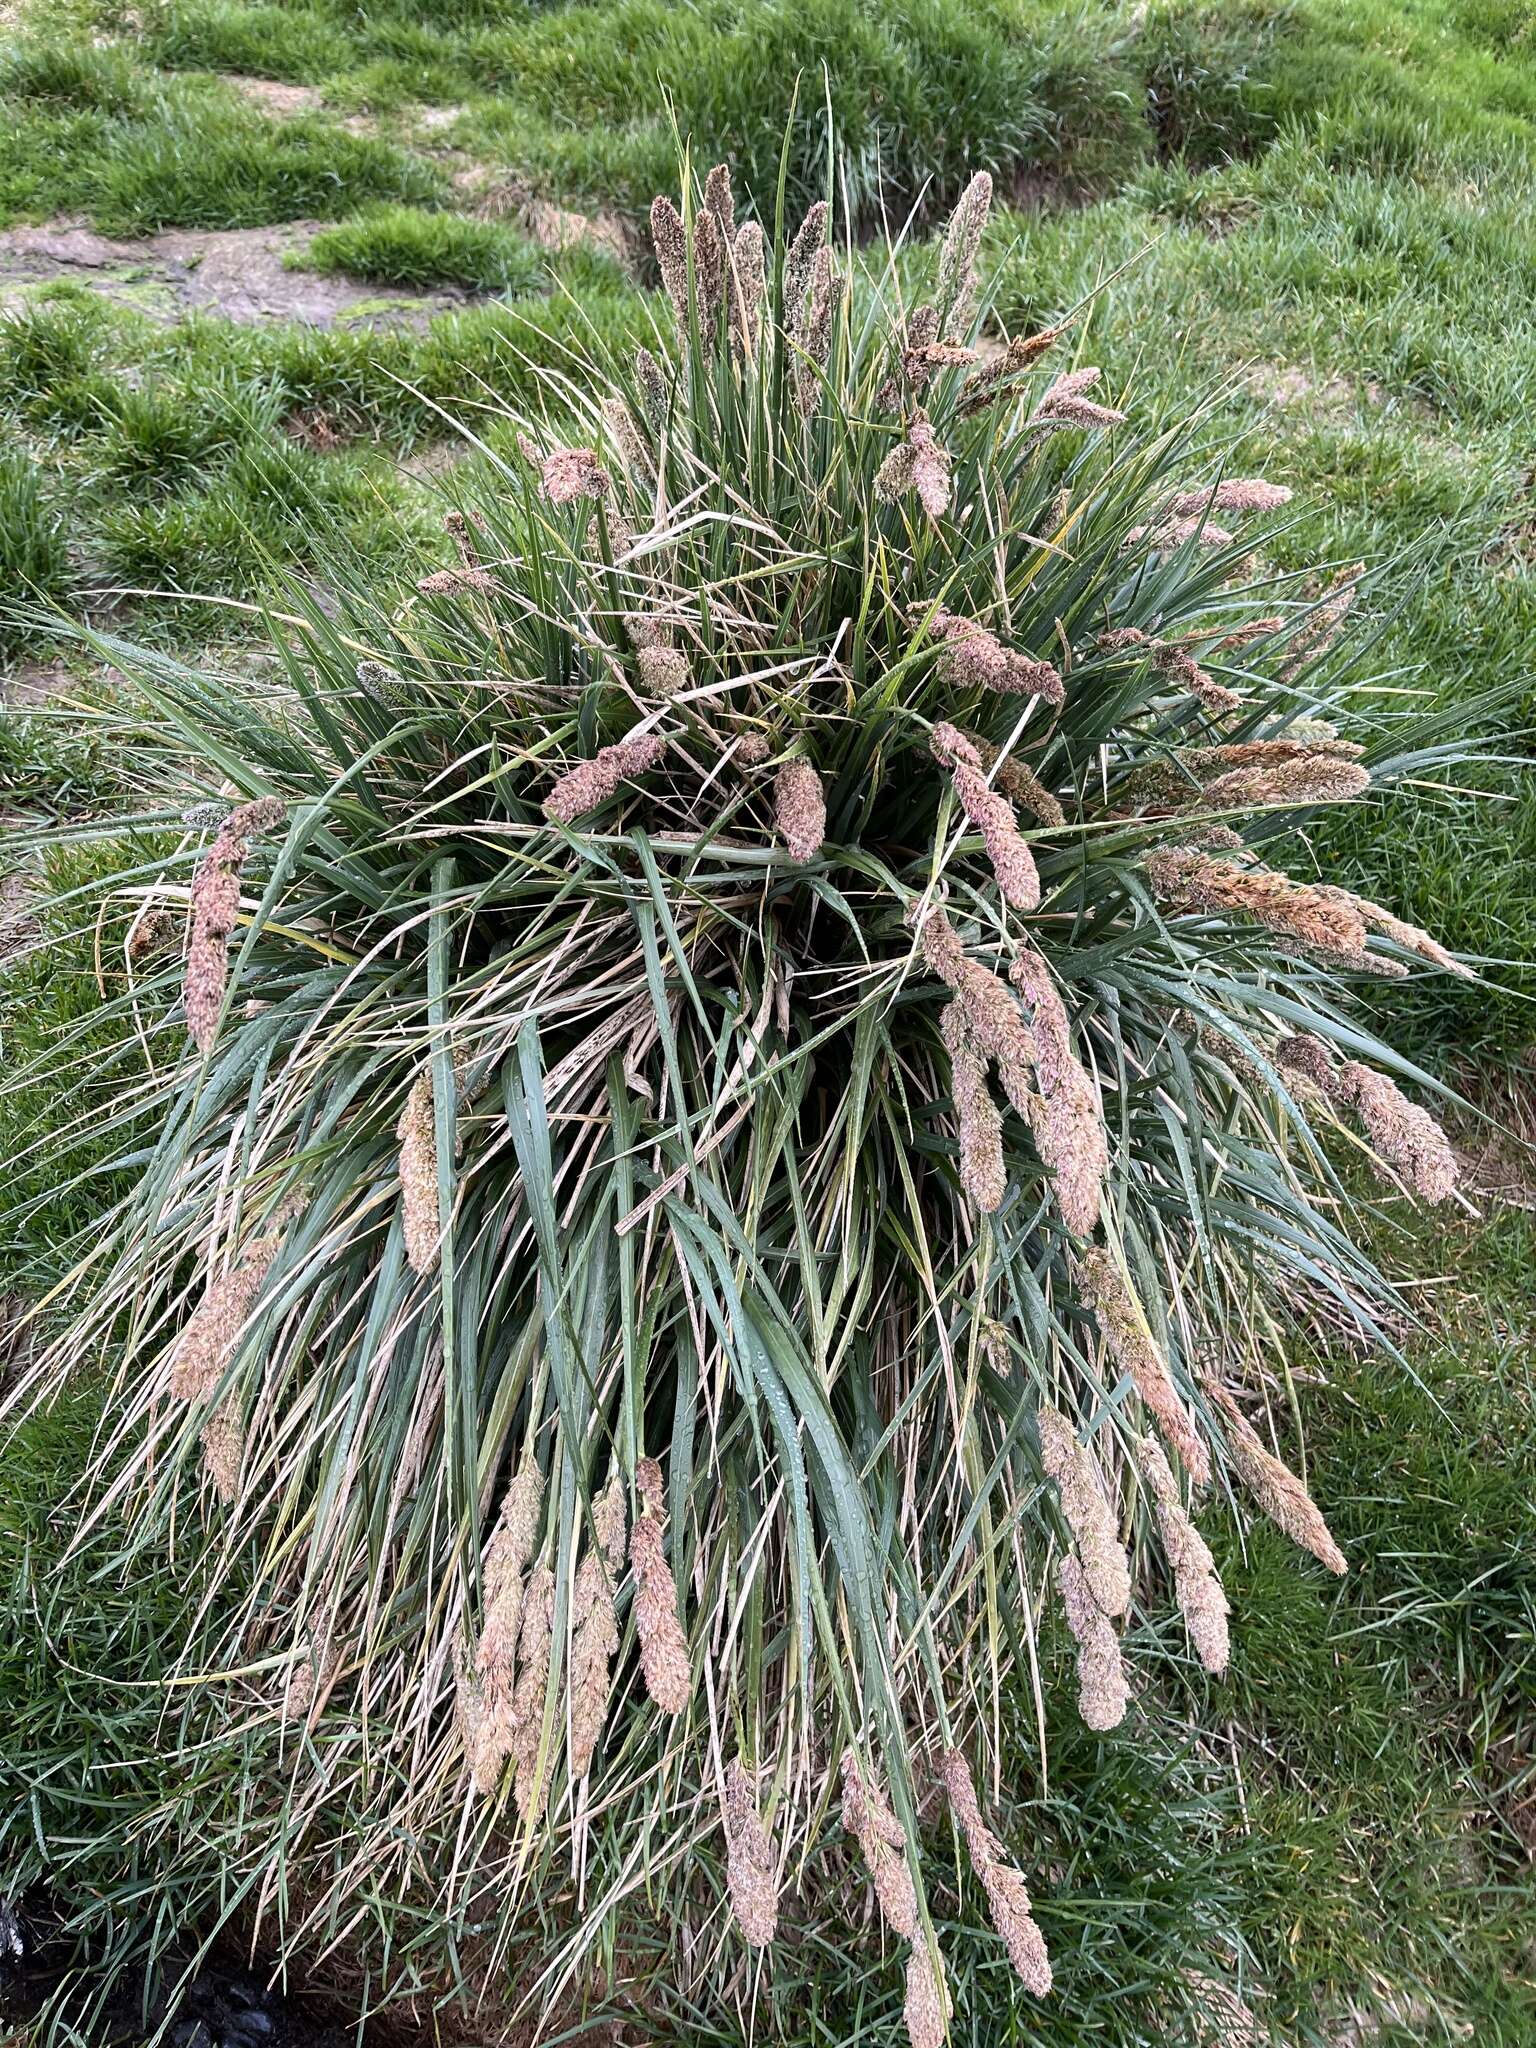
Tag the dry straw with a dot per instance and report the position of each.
(1071, 1470)
(868, 1818)
(1102, 1692)
(1125, 1330)
(1197, 1588)
(1007, 1894)
(1274, 1486)
(594, 1627)
(663, 1642)
(750, 1875)
(215, 906)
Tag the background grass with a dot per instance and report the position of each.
(1322, 216)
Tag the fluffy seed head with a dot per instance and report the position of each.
(506, 1560)
(663, 1643)
(594, 1629)
(927, 2007)
(223, 1441)
(671, 246)
(869, 1819)
(750, 1875)
(1274, 1486)
(1304, 778)
(1007, 1894)
(566, 474)
(531, 1770)
(1069, 1127)
(800, 809)
(1102, 1692)
(215, 906)
(1124, 1329)
(972, 657)
(417, 1132)
(955, 291)
(1192, 880)
(591, 783)
(1233, 494)
(983, 1174)
(749, 287)
(207, 1342)
(1070, 1468)
(1196, 1585)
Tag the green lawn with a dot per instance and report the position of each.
(1319, 218)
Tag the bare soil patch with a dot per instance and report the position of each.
(240, 273)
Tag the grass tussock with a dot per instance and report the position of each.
(778, 899)
(406, 245)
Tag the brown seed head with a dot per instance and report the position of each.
(1273, 1485)
(594, 1628)
(531, 1770)
(800, 809)
(591, 783)
(1102, 1692)
(869, 1819)
(417, 1132)
(927, 2006)
(663, 1643)
(955, 292)
(1196, 1585)
(751, 1877)
(1070, 1468)
(1125, 1331)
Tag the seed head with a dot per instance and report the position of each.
(993, 1020)
(751, 1878)
(917, 464)
(1088, 1514)
(664, 671)
(566, 474)
(990, 382)
(417, 1132)
(869, 1819)
(800, 261)
(590, 783)
(207, 1343)
(1192, 880)
(1274, 1486)
(927, 2006)
(955, 292)
(1007, 1894)
(1232, 494)
(1124, 1329)
(215, 906)
(1407, 1137)
(1323, 625)
(800, 809)
(663, 1644)
(1102, 1692)
(506, 1560)
(1302, 778)
(223, 1442)
(992, 815)
(1196, 1586)
(655, 390)
(749, 287)
(594, 1629)
(983, 1174)
(972, 657)
(1408, 936)
(531, 1770)
(1069, 1127)
(671, 246)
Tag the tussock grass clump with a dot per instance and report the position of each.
(743, 1011)
(409, 245)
